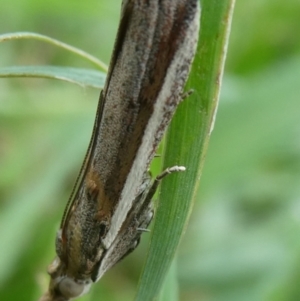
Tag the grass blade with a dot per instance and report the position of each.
(169, 290)
(186, 144)
(79, 76)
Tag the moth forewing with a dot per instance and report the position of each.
(137, 220)
(111, 207)
(173, 47)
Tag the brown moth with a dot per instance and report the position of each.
(111, 203)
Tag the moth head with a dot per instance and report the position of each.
(63, 287)
(70, 288)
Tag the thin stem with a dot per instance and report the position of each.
(40, 37)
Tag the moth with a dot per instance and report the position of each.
(110, 206)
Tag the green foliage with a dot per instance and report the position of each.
(242, 242)
(79, 76)
(186, 145)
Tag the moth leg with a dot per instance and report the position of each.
(149, 195)
(186, 94)
(168, 171)
(143, 230)
(157, 180)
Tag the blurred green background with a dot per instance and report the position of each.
(242, 242)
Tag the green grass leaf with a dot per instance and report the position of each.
(79, 76)
(186, 144)
(169, 290)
